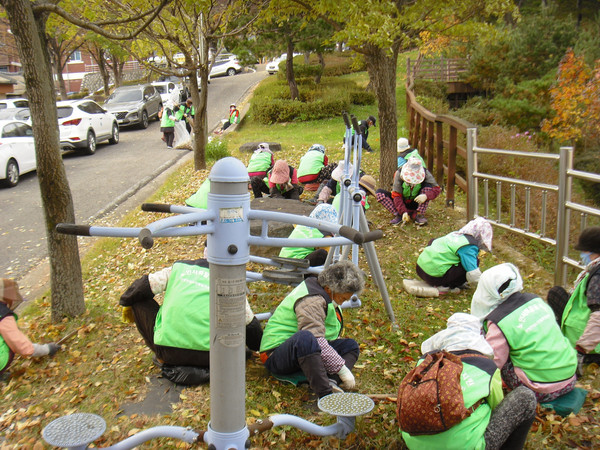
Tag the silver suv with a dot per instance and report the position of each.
(134, 105)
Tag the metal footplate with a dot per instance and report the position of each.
(74, 431)
(346, 406)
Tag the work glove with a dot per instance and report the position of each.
(405, 217)
(127, 315)
(53, 348)
(473, 276)
(420, 198)
(347, 378)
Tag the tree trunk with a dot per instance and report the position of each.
(200, 99)
(321, 60)
(382, 73)
(289, 71)
(59, 78)
(65, 267)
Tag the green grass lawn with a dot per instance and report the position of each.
(107, 364)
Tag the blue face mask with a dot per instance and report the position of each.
(586, 257)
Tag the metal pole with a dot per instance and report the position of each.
(228, 253)
(562, 225)
(472, 194)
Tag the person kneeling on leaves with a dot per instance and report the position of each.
(12, 340)
(178, 332)
(486, 420)
(304, 332)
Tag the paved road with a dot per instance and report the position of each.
(100, 182)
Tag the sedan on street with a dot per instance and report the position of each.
(83, 124)
(17, 151)
(134, 105)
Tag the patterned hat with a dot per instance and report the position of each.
(412, 172)
(317, 147)
(481, 230)
(280, 173)
(324, 212)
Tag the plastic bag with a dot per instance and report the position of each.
(182, 139)
(186, 375)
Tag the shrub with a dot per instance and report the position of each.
(362, 97)
(216, 149)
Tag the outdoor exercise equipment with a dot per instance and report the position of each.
(227, 226)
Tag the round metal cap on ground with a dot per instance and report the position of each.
(74, 430)
(347, 404)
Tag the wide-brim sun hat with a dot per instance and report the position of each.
(368, 183)
(339, 170)
(280, 173)
(402, 144)
(413, 172)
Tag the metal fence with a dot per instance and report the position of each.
(505, 211)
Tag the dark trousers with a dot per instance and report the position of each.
(456, 276)
(145, 316)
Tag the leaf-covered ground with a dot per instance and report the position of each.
(107, 365)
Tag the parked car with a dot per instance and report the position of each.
(134, 105)
(83, 124)
(273, 66)
(165, 88)
(14, 103)
(17, 151)
(228, 65)
(23, 114)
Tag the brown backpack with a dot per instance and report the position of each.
(430, 399)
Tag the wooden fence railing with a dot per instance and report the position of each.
(437, 69)
(441, 140)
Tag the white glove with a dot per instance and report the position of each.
(473, 276)
(405, 217)
(347, 378)
(420, 198)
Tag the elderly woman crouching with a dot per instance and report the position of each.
(303, 333)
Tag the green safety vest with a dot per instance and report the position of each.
(577, 313)
(408, 192)
(5, 350)
(475, 381)
(300, 232)
(260, 162)
(437, 258)
(284, 323)
(200, 198)
(183, 320)
(536, 344)
(311, 163)
(165, 122)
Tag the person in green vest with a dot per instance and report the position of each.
(363, 126)
(529, 348)
(167, 123)
(200, 198)
(234, 117)
(12, 340)
(178, 331)
(187, 112)
(452, 261)
(498, 421)
(316, 256)
(314, 166)
(578, 312)
(281, 182)
(303, 334)
(261, 161)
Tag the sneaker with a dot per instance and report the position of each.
(420, 220)
(396, 220)
(168, 146)
(157, 362)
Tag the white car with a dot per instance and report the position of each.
(17, 151)
(83, 124)
(14, 103)
(165, 88)
(273, 66)
(225, 66)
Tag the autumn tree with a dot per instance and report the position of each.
(575, 101)
(29, 21)
(63, 39)
(189, 27)
(379, 31)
